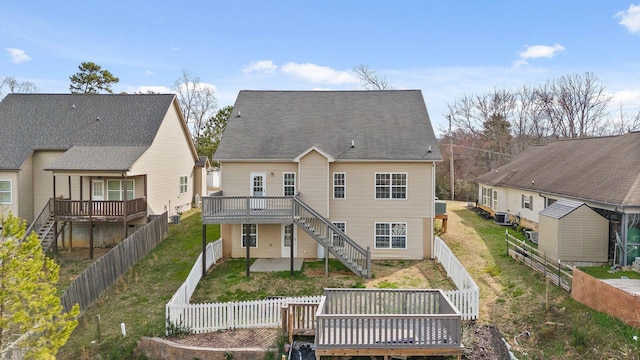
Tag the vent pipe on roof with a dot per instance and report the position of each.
(353, 143)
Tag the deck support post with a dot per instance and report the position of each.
(204, 250)
(247, 243)
(291, 248)
(91, 219)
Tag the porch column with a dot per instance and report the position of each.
(91, 219)
(55, 220)
(124, 207)
(291, 248)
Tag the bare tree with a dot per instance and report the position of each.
(369, 78)
(10, 85)
(197, 100)
(574, 105)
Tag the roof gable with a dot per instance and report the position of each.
(347, 125)
(561, 208)
(31, 122)
(601, 169)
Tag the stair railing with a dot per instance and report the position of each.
(40, 220)
(345, 249)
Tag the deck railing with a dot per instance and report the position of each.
(379, 318)
(110, 208)
(221, 209)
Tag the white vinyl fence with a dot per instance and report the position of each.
(203, 318)
(467, 297)
(185, 291)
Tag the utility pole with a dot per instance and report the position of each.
(451, 173)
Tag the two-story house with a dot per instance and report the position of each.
(304, 173)
(89, 169)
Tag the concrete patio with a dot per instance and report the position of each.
(271, 265)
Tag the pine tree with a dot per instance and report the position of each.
(29, 304)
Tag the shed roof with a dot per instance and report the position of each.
(346, 125)
(32, 122)
(560, 208)
(601, 169)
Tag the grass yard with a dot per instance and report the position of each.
(139, 298)
(513, 298)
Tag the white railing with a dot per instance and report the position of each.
(185, 291)
(203, 318)
(467, 297)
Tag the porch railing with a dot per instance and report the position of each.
(86, 208)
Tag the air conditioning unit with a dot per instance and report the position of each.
(532, 236)
(502, 218)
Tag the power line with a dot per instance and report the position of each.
(488, 151)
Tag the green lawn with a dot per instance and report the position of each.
(139, 297)
(513, 298)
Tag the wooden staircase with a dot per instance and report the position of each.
(338, 244)
(44, 226)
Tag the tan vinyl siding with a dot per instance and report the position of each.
(360, 189)
(43, 180)
(548, 237)
(14, 206)
(583, 235)
(314, 181)
(25, 191)
(235, 178)
(168, 158)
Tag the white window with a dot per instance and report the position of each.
(289, 181)
(495, 200)
(339, 185)
(252, 231)
(486, 196)
(115, 190)
(391, 185)
(338, 240)
(183, 184)
(391, 235)
(527, 202)
(5, 191)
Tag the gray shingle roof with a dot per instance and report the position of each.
(560, 208)
(602, 169)
(31, 122)
(98, 158)
(280, 125)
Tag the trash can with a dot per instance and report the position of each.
(175, 219)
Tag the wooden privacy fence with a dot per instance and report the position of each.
(558, 273)
(103, 273)
(467, 297)
(210, 317)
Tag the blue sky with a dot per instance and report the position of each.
(445, 48)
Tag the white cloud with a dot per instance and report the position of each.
(155, 89)
(537, 51)
(319, 74)
(262, 66)
(625, 98)
(630, 18)
(148, 72)
(18, 56)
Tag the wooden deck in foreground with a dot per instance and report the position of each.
(383, 322)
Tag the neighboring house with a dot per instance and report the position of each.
(339, 171)
(601, 172)
(98, 165)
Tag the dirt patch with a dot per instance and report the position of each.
(233, 339)
(483, 342)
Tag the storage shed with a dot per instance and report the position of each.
(572, 231)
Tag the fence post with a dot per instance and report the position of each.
(506, 239)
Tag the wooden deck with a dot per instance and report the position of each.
(385, 322)
(99, 211)
(245, 209)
